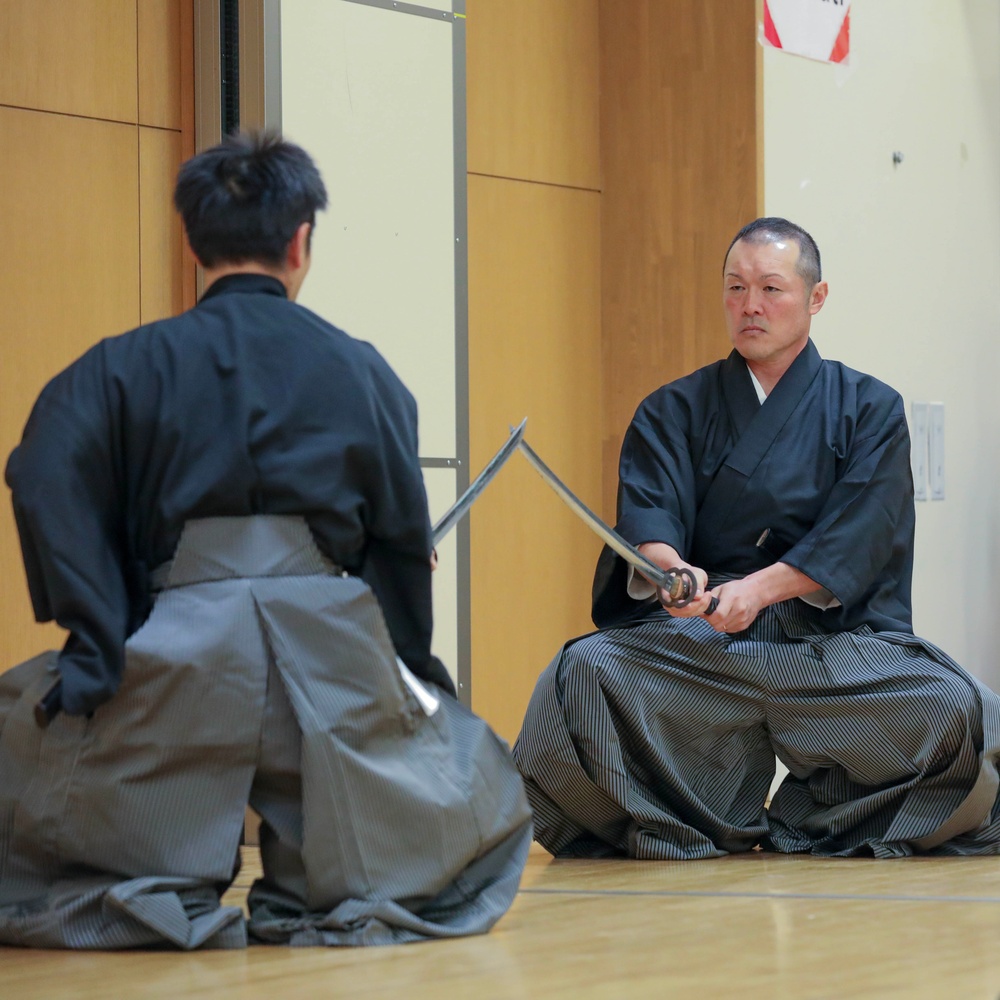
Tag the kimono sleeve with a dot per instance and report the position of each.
(864, 528)
(656, 499)
(656, 489)
(397, 558)
(64, 495)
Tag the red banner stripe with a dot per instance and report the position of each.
(842, 46)
(770, 32)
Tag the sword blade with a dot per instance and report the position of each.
(607, 534)
(459, 508)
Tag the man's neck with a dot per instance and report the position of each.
(767, 374)
(213, 274)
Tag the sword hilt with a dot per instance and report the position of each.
(681, 585)
(49, 705)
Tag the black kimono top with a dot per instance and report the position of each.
(246, 404)
(818, 477)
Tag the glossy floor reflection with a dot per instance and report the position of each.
(755, 926)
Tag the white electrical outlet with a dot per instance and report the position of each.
(918, 449)
(935, 450)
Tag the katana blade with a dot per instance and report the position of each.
(610, 537)
(679, 583)
(460, 507)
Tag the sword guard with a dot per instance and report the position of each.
(681, 585)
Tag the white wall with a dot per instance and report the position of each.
(912, 255)
(368, 91)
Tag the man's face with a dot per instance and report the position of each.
(768, 306)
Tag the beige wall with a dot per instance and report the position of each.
(912, 254)
(91, 246)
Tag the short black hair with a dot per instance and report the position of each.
(772, 228)
(243, 199)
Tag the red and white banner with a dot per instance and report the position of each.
(817, 29)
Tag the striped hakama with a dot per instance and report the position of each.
(658, 740)
(389, 812)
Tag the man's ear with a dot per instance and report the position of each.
(817, 297)
(298, 248)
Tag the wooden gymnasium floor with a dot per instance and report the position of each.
(742, 927)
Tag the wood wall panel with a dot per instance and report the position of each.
(534, 332)
(532, 92)
(189, 274)
(72, 56)
(534, 350)
(70, 269)
(679, 160)
(69, 275)
(160, 28)
(161, 237)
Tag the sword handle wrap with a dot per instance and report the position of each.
(49, 705)
(682, 586)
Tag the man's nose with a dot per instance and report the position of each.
(752, 303)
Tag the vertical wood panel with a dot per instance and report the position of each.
(189, 271)
(161, 238)
(534, 332)
(71, 56)
(534, 309)
(69, 275)
(533, 109)
(159, 46)
(679, 160)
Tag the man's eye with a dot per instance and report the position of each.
(771, 288)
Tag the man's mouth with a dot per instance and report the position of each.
(753, 329)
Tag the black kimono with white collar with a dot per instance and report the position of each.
(246, 404)
(823, 466)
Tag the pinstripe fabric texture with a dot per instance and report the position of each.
(259, 677)
(658, 740)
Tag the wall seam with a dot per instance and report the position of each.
(463, 430)
(528, 180)
(138, 157)
(69, 114)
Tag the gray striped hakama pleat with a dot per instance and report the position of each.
(260, 677)
(658, 740)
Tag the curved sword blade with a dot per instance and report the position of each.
(458, 509)
(607, 534)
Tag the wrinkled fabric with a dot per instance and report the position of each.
(659, 740)
(818, 477)
(656, 737)
(246, 404)
(260, 677)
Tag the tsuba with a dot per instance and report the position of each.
(681, 586)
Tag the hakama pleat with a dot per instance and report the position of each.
(657, 740)
(389, 812)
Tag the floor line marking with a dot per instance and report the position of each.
(680, 893)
